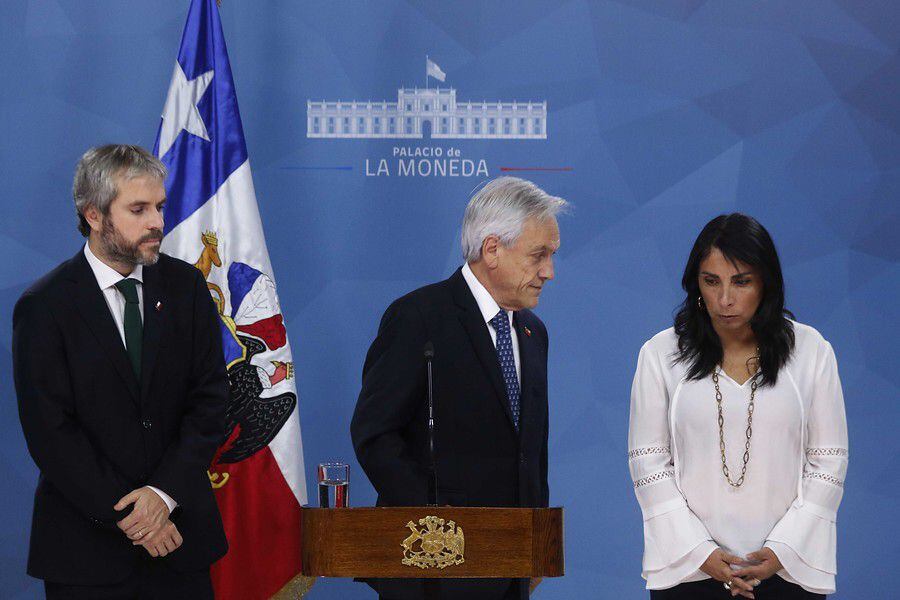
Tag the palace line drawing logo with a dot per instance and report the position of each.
(427, 113)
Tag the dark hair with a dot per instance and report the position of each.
(739, 238)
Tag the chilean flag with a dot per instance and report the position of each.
(212, 221)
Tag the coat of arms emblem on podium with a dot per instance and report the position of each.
(434, 544)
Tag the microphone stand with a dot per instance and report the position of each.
(432, 467)
(431, 587)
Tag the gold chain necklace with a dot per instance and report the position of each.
(749, 431)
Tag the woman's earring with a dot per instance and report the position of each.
(700, 302)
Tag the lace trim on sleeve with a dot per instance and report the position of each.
(826, 452)
(654, 478)
(647, 450)
(826, 477)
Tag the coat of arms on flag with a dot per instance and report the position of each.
(212, 221)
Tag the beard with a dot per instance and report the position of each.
(120, 250)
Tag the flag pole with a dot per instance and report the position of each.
(426, 71)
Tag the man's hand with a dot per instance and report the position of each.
(163, 541)
(149, 514)
(765, 564)
(718, 566)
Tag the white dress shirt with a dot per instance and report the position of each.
(107, 278)
(489, 309)
(794, 483)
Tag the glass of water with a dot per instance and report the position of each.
(334, 485)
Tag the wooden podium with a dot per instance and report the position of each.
(432, 542)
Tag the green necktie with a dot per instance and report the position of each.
(134, 328)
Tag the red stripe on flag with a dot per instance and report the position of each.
(262, 522)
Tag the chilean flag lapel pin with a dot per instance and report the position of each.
(159, 307)
(527, 331)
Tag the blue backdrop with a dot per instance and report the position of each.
(665, 113)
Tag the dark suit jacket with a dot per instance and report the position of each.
(481, 459)
(96, 432)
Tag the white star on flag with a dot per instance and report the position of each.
(180, 111)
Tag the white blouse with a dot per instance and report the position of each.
(795, 475)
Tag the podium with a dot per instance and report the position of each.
(432, 542)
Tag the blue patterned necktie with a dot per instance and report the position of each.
(500, 323)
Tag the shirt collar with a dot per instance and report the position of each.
(486, 303)
(107, 276)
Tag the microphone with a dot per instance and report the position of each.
(428, 352)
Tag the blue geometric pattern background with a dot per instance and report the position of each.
(665, 112)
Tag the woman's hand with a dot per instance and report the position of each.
(718, 566)
(767, 564)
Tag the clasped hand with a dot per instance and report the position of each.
(148, 523)
(758, 566)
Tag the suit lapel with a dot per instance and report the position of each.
(95, 311)
(527, 358)
(475, 326)
(153, 319)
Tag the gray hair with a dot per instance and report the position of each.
(98, 170)
(501, 208)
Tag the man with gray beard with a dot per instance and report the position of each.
(121, 388)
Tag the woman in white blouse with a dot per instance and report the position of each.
(738, 438)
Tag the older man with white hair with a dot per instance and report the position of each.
(489, 379)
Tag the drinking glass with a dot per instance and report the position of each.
(334, 485)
